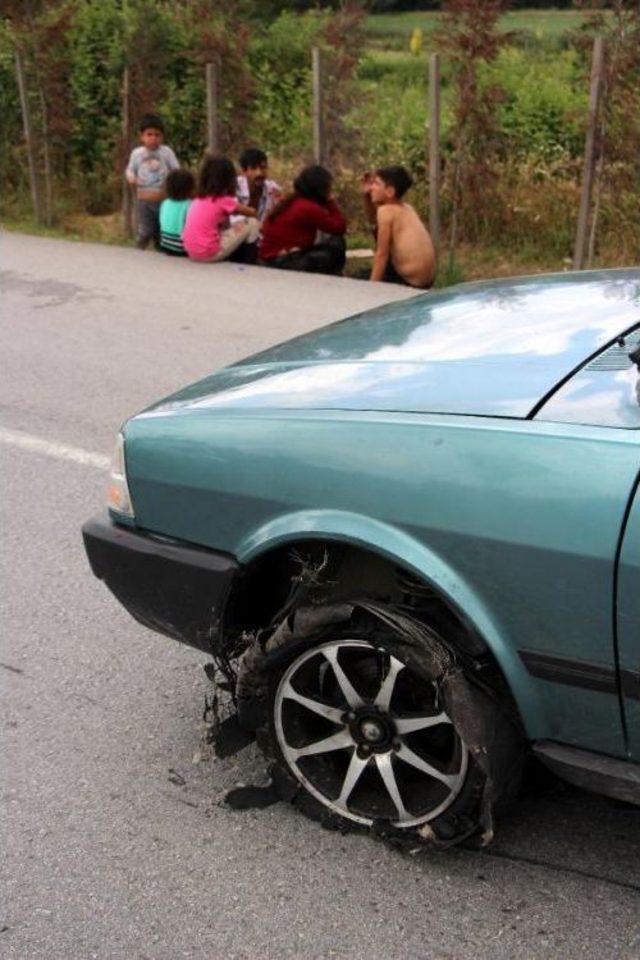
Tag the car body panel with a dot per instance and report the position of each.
(628, 623)
(488, 349)
(453, 498)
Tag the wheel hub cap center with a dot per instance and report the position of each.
(372, 731)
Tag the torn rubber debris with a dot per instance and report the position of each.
(252, 797)
(230, 737)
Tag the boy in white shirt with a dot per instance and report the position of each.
(149, 166)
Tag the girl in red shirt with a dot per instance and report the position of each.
(289, 232)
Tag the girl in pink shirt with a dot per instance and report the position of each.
(208, 234)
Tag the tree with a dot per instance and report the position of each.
(39, 32)
(343, 41)
(218, 32)
(615, 215)
(470, 37)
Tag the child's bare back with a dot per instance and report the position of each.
(410, 248)
(404, 251)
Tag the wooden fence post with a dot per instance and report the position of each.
(213, 111)
(589, 152)
(46, 160)
(434, 151)
(127, 198)
(319, 146)
(28, 136)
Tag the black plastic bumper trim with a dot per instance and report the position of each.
(172, 587)
(581, 673)
(592, 771)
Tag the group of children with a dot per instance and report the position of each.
(247, 217)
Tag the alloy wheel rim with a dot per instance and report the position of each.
(366, 735)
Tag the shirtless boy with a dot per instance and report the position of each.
(404, 251)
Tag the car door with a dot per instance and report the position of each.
(605, 394)
(628, 624)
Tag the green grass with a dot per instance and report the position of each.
(543, 23)
(27, 224)
(80, 227)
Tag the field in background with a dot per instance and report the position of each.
(393, 30)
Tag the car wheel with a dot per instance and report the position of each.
(361, 737)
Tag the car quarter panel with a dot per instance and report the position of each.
(517, 522)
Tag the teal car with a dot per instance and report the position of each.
(410, 542)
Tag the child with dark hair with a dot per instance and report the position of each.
(404, 251)
(173, 211)
(148, 168)
(254, 188)
(208, 234)
(290, 231)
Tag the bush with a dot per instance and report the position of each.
(280, 59)
(544, 111)
(182, 110)
(95, 75)
(12, 155)
(394, 124)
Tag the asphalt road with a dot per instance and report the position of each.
(115, 841)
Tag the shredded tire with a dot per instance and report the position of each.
(483, 718)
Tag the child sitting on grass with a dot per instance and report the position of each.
(254, 187)
(404, 251)
(290, 232)
(208, 235)
(173, 211)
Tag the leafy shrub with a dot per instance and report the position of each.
(12, 160)
(394, 122)
(286, 43)
(182, 110)
(544, 110)
(280, 59)
(95, 75)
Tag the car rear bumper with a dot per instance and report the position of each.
(172, 587)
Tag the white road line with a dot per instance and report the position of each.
(58, 450)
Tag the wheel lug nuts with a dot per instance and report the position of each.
(396, 745)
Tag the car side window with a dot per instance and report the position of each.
(605, 392)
